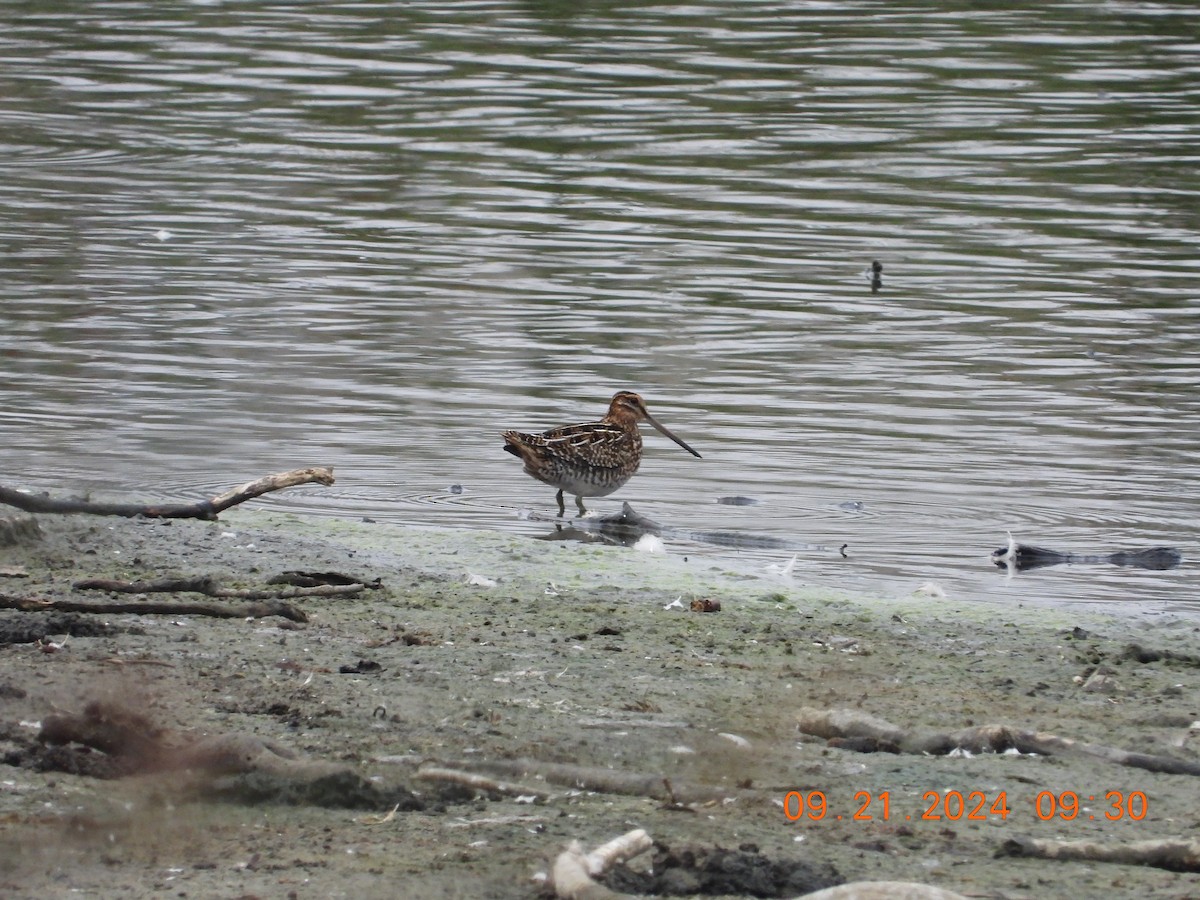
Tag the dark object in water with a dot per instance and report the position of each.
(737, 501)
(1025, 556)
(627, 524)
(1153, 558)
(876, 276)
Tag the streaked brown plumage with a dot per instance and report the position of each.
(590, 460)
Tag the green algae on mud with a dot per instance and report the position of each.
(577, 653)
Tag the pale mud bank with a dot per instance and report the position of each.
(480, 648)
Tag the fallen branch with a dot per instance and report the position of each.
(291, 593)
(118, 661)
(496, 820)
(859, 731)
(480, 782)
(608, 781)
(204, 509)
(205, 584)
(381, 820)
(202, 584)
(260, 610)
(1175, 856)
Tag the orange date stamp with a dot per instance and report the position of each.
(970, 806)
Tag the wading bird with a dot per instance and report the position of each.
(589, 460)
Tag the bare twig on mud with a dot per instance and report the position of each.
(480, 782)
(851, 726)
(220, 611)
(380, 820)
(204, 509)
(291, 593)
(608, 781)
(118, 661)
(496, 820)
(1177, 856)
(201, 584)
(205, 584)
(263, 602)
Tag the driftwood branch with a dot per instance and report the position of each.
(204, 509)
(608, 781)
(257, 610)
(480, 782)
(205, 584)
(1176, 856)
(262, 603)
(855, 730)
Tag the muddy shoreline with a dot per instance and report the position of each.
(482, 647)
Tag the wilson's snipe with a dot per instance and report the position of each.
(590, 460)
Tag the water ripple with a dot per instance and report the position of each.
(375, 237)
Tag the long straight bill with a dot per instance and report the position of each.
(653, 421)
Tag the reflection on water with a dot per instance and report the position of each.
(240, 239)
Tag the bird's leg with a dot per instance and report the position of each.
(562, 508)
(579, 503)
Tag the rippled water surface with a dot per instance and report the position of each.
(239, 238)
